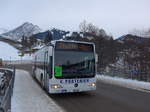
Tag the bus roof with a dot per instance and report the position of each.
(54, 41)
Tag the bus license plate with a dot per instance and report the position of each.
(75, 90)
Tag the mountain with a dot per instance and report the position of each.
(27, 29)
(3, 30)
(133, 38)
(141, 33)
(42, 35)
(54, 34)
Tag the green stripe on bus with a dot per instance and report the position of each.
(58, 71)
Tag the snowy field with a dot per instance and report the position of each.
(128, 83)
(29, 97)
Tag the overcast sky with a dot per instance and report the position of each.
(117, 17)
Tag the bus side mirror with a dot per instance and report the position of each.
(96, 58)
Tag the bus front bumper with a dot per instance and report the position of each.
(72, 90)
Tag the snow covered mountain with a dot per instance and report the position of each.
(3, 30)
(27, 30)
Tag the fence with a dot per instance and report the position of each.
(6, 88)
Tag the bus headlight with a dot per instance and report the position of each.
(55, 86)
(92, 84)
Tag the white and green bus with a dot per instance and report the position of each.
(66, 66)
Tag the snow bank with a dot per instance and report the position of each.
(134, 84)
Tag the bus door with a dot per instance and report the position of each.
(45, 70)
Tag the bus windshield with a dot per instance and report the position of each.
(74, 64)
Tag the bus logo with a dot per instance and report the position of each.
(71, 81)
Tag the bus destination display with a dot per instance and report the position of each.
(74, 46)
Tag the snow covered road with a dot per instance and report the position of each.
(29, 97)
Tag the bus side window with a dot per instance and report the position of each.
(50, 66)
(35, 62)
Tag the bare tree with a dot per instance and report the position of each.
(90, 28)
(83, 26)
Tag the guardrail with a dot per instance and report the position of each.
(6, 88)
